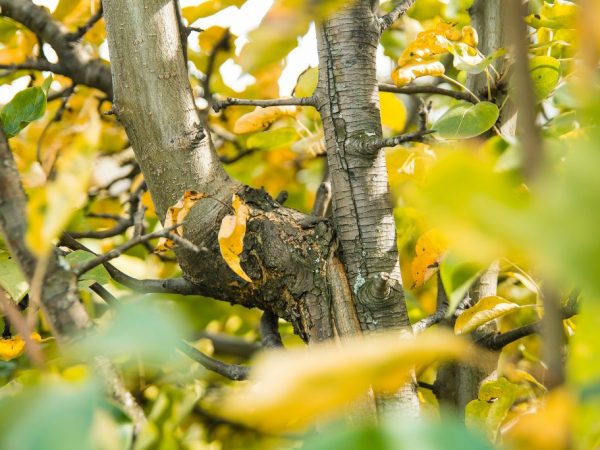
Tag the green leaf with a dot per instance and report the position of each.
(486, 310)
(54, 414)
(98, 274)
(25, 107)
(280, 137)
(457, 277)
(490, 409)
(399, 434)
(11, 277)
(466, 120)
(545, 75)
(307, 82)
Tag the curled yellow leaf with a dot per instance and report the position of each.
(403, 75)
(231, 236)
(261, 118)
(176, 214)
(429, 249)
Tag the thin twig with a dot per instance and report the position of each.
(440, 310)
(118, 251)
(232, 371)
(399, 10)
(221, 44)
(291, 101)
(426, 89)
(166, 286)
(82, 30)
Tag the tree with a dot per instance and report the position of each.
(482, 240)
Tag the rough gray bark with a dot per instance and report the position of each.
(362, 211)
(285, 251)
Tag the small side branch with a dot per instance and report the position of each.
(82, 30)
(440, 310)
(218, 105)
(118, 251)
(426, 89)
(167, 286)
(417, 136)
(400, 8)
(269, 330)
(498, 341)
(232, 371)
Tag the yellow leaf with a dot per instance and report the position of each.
(231, 236)
(310, 146)
(486, 309)
(261, 118)
(50, 207)
(393, 111)
(295, 388)
(176, 214)
(404, 75)
(11, 348)
(420, 58)
(209, 38)
(429, 249)
(550, 421)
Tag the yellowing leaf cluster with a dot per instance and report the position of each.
(231, 236)
(261, 118)
(420, 58)
(176, 214)
(296, 388)
(429, 249)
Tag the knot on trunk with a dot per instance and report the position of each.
(379, 290)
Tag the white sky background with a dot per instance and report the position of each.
(240, 21)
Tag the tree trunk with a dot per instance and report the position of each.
(362, 211)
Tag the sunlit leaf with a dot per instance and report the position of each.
(261, 118)
(405, 74)
(176, 214)
(11, 277)
(484, 311)
(393, 111)
(13, 347)
(545, 74)
(457, 277)
(491, 407)
(231, 236)
(332, 376)
(466, 120)
(429, 249)
(307, 82)
(25, 107)
(208, 8)
(279, 137)
(310, 146)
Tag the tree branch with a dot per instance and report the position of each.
(232, 371)
(291, 101)
(269, 330)
(73, 61)
(167, 286)
(440, 310)
(59, 298)
(118, 251)
(82, 30)
(400, 8)
(498, 341)
(426, 89)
